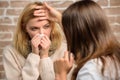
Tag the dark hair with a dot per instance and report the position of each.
(88, 33)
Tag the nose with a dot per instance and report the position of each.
(41, 31)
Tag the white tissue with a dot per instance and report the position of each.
(41, 35)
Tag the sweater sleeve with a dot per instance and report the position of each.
(46, 64)
(13, 71)
(46, 69)
(30, 70)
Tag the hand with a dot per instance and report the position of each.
(45, 46)
(49, 13)
(41, 12)
(54, 15)
(35, 44)
(63, 66)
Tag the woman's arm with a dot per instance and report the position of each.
(62, 66)
(46, 69)
(46, 64)
(13, 69)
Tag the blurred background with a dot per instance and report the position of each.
(10, 10)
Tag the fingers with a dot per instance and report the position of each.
(66, 55)
(45, 42)
(35, 44)
(71, 58)
(35, 40)
(37, 12)
(64, 64)
(39, 7)
(45, 39)
(41, 12)
(47, 6)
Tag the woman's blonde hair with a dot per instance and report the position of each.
(21, 37)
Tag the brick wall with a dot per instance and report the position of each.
(10, 10)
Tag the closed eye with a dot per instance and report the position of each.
(46, 26)
(33, 28)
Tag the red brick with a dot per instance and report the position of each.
(7, 28)
(0, 58)
(1, 50)
(111, 19)
(1, 67)
(103, 2)
(112, 11)
(15, 19)
(5, 20)
(117, 35)
(114, 19)
(59, 4)
(2, 12)
(115, 28)
(2, 75)
(13, 12)
(19, 3)
(117, 19)
(4, 43)
(4, 4)
(5, 36)
(114, 2)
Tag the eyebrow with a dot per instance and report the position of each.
(47, 24)
(42, 20)
(43, 25)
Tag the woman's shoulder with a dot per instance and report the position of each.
(91, 69)
(8, 49)
(93, 64)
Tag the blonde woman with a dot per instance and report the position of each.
(36, 44)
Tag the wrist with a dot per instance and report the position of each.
(43, 56)
(60, 76)
(59, 18)
(35, 52)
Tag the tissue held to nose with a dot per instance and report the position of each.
(41, 35)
